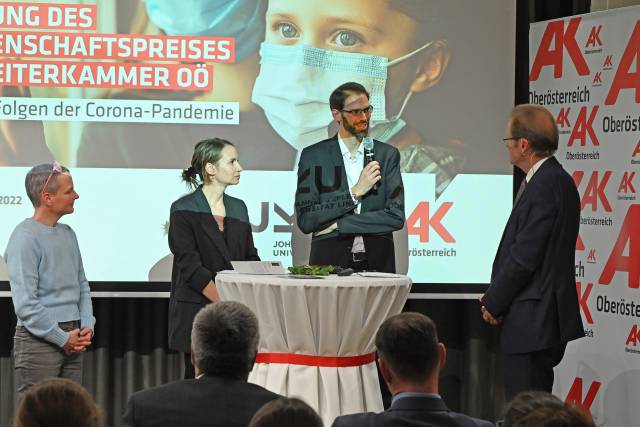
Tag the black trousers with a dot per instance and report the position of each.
(189, 370)
(336, 250)
(531, 371)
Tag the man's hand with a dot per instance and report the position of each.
(486, 316)
(369, 176)
(77, 343)
(329, 229)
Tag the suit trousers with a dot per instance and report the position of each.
(37, 359)
(531, 371)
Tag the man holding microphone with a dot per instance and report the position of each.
(350, 194)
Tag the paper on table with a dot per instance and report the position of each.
(258, 267)
(377, 274)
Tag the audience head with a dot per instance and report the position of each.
(409, 353)
(286, 412)
(541, 409)
(57, 402)
(224, 340)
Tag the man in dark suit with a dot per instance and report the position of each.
(410, 359)
(533, 288)
(351, 202)
(225, 342)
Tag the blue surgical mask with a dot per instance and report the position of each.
(295, 82)
(241, 19)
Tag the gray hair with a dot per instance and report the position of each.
(37, 177)
(537, 125)
(224, 339)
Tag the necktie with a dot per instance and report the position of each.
(523, 185)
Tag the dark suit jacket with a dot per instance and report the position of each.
(412, 412)
(533, 284)
(323, 197)
(200, 250)
(208, 401)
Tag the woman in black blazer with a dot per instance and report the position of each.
(207, 230)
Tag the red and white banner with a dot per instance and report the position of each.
(586, 71)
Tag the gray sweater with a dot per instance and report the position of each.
(47, 279)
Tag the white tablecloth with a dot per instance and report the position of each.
(331, 316)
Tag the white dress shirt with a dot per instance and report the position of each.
(534, 169)
(353, 165)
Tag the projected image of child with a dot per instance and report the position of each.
(169, 145)
(320, 44)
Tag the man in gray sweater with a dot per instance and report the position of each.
(50, 292)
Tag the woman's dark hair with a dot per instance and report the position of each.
(57, 402)
(286, 412)
(205, 151)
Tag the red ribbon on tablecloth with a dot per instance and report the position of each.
(322, 361)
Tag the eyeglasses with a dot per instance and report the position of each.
(358, 111)
(513, 138)
(55, 168)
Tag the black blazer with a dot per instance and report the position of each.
(323, 197)
(533, 284)
(419, 411)
(200, 250)
(211, 401)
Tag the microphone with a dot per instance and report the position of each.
(367, 144)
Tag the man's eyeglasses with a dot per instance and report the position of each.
(358, 111)
(56, 168)
(513, 138)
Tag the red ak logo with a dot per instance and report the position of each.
(626, 184)
(594, 191)
(633, 337)
(628, 238)
(594, 37)
(583, 298)
(561, 39)
(626, 79)
(563, 117)
(591, 258)
(584, 127)
(575, 394)
(420, 222)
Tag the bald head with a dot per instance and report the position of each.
(537, 125)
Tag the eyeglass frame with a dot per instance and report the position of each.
(357, 111)
(513, 138)
(55, 168)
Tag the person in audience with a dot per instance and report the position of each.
(225, 343)
(207, 230)
(49, 290)
(57, 402)
(542, 409)
(410, 359)
(286, 412)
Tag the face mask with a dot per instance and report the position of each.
(241, 19)
(295, 82)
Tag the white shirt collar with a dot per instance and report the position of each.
(534, 169)
(345, 150)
